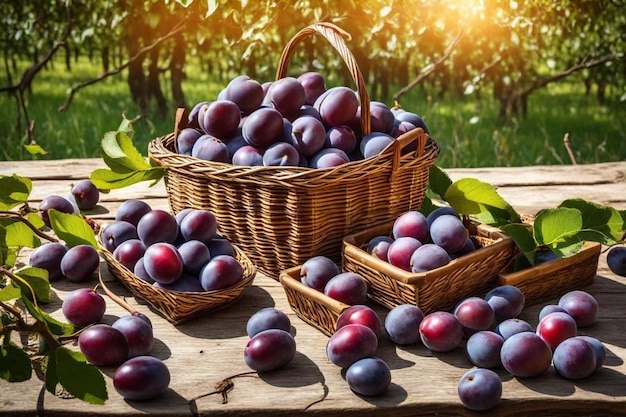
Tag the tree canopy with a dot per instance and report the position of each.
(503, 48)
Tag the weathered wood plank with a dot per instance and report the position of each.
(207, 350)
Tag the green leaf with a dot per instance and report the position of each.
(119, 153)
(52, 377)
(126, 125)
(14, 190)
(427, 206)
(438, 180)
(37, 278)
(14, 363)
(72, 229)
(56, 327)
(36, 220)
(523, 238)
(555, 225)
(471, 196)
(35, 149)
(568, 246)
(8, 254)
(81, 379)
(605, 219)
(106, 179)
(19, 235)
(10, 292)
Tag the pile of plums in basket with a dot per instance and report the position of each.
(179, 253)
(290, 122)
(419, 243)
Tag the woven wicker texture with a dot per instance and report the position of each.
(282, 216)
(440, 289)
(554, 278)
(312, 306)
(178, 307)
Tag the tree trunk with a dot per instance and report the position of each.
(105, 56)
(153, 86)
(136, 75)
(177, 72)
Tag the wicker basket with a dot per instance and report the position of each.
(554, 278)
(176, 306)
(311, 305)
(281, 216)
(439, 289)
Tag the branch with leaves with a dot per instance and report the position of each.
(179, 27)
(430, 68)
(22, 290)
(562, 230)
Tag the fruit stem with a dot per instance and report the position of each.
(118, 300)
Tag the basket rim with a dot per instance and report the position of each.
(161, 151)
(246, 280)
(589, 251)
(288, 280)
(498, 242)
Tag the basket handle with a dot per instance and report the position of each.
(334, 35)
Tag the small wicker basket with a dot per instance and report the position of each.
(176, 306)
(311, 305)
(551, 279)
(439, 289)
(282, 216)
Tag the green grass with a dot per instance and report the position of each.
(467, 129)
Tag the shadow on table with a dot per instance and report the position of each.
(171, 400)
(231, 321)
(605, 381)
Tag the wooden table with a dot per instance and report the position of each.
(209, 349)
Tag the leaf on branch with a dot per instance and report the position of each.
(10, 292)
(72, 229)
(19, 235)
(56, 327)
(37, 279)
(35, 149)
(80, 378)
(471, 196)
(438, 180)
(605, 220)
(106, 179)
(14, 191)
(120, 154)
(127, 166)
(15, 364)
(557, 225)
(523, 237)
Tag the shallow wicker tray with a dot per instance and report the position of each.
(311, 305)
(552, 279)
(439, 289)
(282, 216)
(176, 306)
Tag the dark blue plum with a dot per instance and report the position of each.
(369, 376)
(509, 327)
(480, 389)
(574, 358)
(483, 349)
(267, 318)
(616, 260)
(507, 301)
(402, 324)
(141, 378)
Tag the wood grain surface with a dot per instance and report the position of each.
(209, 350)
